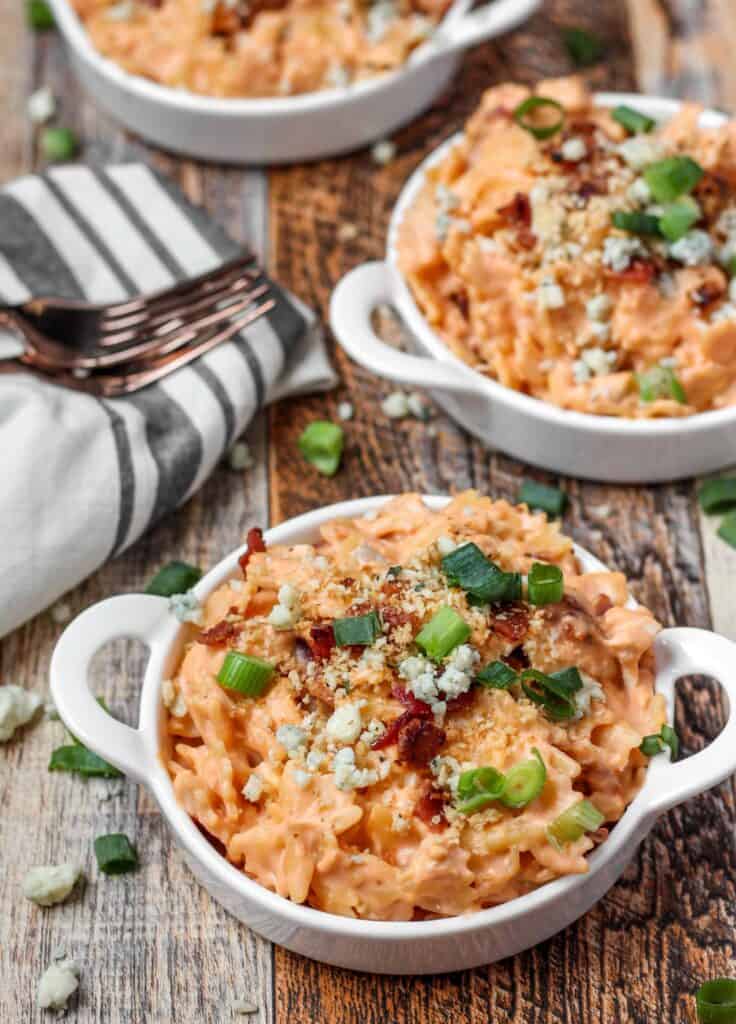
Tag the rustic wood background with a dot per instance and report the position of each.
(153, 947)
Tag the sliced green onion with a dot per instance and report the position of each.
(115, 854)
(357, 629)
(174, 578)
(481, 579)
(78, 759)
(544, 584)
(244, 673)
(573, 823)
(731, 267)
(716, 1001)
(496, 676)
(727, 529)
(321, 444)
(528, 106)
(555, 692)
(672, 177)
(632, 120)
(524, 782)
(540, 496)
(584, 48)
(58, 144)
(478, 788)
(718, 496)
(39, 15)
(635, 223)
(444, 631)
(394, 571)
(677, 218)
(654, 744)
(659, 382)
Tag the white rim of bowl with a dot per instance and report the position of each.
(659, 107)
(235, 880)
(265, 107)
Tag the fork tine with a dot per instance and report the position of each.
(172, 335)
(130, 306)
(229, 292)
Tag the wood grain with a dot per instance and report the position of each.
(153, 946)
(640, 954)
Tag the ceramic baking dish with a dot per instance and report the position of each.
(285, 129)
(420, 947)
(578, 444)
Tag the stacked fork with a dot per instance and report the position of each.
(112, 350)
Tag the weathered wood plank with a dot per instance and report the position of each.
(153, 947)
(644, 949)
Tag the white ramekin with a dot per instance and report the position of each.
(285, 129)
(384, 947)
(578, 444)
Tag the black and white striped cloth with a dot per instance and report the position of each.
(82, 478)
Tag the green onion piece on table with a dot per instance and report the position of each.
(727, 529)
(584, 48)
(443, 633)
(482, 580)
(542, 497)
(554, 692)
(718, 495)
(357, 629)
(39, 16)
(524, 116)
(632, 120)
(478, 788)
(115, 854)
(573, 823)
(245, 674)
(321, 443)
(58, 144)
(496, 676)
(635, 222)
(524, 782)
(545, 584)
(659, 382)
(76, 758)
(672, 177)
(677, 218)
(716, 1001)
(174, 578)
(652, 745)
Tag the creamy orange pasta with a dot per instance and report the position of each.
(589, 268)
(259, 47)
(345, 782)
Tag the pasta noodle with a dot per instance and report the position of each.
(312, 790)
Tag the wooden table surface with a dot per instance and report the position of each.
(153, 946)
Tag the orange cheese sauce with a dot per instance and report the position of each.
(363, 842)
(222, 48)
(512, 256)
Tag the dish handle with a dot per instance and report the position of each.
(353, 301)
(484, 23)
(682, 652)
(129, 615)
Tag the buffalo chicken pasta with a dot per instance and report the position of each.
(582, 255)
(259, 47)
(424, 714)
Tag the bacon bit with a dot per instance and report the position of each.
(254, 543)
(460, 299)
(591, 187)
(348, 581)
(431, 805)
(417, 707)
(462, 701)
(518, 211)
(419, 741)
(395, 618)
(518, 659)
(391, 735)
(640, 272)
(525, 238)
(302, 650)
(602, 604)
(512, 623)
(706, 293)
(219, 634)
(321, 641)
(414, 709)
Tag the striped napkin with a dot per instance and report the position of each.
(84, 477)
